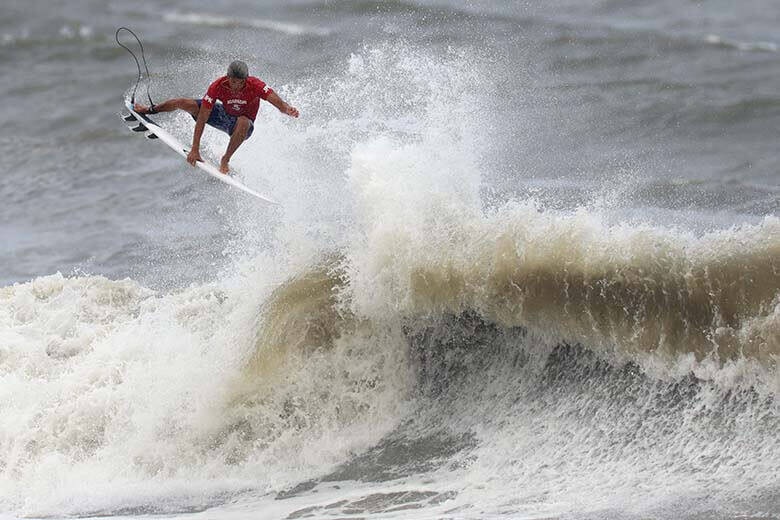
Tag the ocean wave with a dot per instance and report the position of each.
(483, 388)
(743, 110)
(625, 40)
(573, 278)
(422, 13)
(67, 33)
(757, 46)
(226, 378)
(370, 7)
(213, 20)
(630, 290)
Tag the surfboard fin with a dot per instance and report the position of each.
(151, 136)
(139, 128)
(129, 118)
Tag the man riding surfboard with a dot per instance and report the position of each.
(240, 95)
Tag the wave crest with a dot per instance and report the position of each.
(573, 278)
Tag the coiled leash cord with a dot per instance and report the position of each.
(138, 64)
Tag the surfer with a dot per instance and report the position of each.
(240, 95)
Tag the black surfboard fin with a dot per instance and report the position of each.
(129, 118)
(139, 128)
(151, 136)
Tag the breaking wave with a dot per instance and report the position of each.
(224, 379)
(398, 329)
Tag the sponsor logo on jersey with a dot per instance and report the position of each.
(208, 99)
(266, 89)
(235, 104)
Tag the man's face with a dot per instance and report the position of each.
(236, 84)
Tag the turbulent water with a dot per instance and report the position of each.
(527, 263)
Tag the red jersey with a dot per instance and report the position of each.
(245, 102)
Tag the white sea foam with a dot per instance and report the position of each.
(115, 396)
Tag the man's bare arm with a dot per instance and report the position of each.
(200, 124)
(283, 107)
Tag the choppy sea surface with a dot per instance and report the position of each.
(527, 263)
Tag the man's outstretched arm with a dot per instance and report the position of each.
(283, 107)
(200, 124)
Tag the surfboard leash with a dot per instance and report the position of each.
(138, 65)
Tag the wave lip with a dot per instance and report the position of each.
(635, 289)
(213, 20)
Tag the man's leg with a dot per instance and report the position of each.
(236, 138)
(187, 104)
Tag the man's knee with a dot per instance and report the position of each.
(187, 104)
(242, 126)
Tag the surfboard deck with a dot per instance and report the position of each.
(143, 123)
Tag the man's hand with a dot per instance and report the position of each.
(281, 106)
(194, 156)
(291, 111)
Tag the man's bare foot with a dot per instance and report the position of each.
(223, 166)
(141, 109)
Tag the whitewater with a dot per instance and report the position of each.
(477, 299)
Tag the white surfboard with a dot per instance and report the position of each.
(142, 123)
